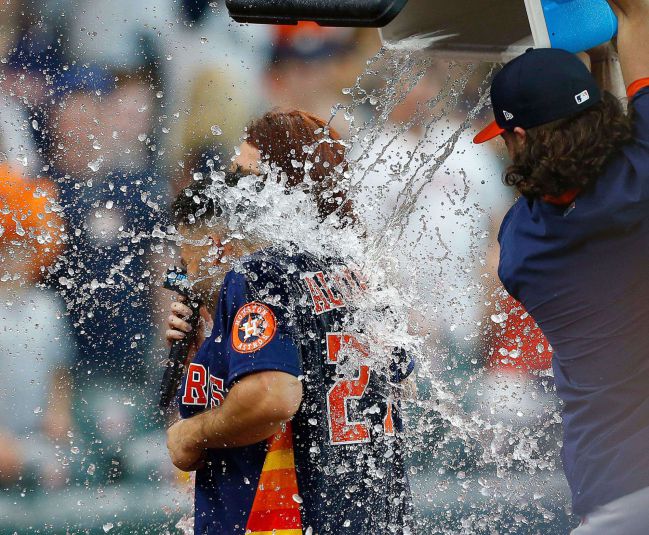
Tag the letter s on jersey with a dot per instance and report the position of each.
(200, 384)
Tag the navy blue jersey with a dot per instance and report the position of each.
(581, 272)
(338, 466)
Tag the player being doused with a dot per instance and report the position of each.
(283, 439)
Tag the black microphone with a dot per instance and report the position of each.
(177, 281)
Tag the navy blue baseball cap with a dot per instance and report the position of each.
(539, 87)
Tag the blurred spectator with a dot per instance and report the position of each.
(212, 128)
(517, 388)
(212, 68)
(17, 145)
(99, 146)
(312, 64)
(35, 388)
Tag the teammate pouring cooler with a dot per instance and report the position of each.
(575, 253)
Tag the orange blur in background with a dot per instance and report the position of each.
(32, 233)
(518, 343)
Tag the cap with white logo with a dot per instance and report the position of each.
(539, 87)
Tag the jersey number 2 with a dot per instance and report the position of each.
(341, 430)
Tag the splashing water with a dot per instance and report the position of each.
(424, 283)
(443, 429)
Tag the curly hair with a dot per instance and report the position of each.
(571, 153)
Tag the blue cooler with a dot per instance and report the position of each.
(577, 25)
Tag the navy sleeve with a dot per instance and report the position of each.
(626, 190)
(261, 332)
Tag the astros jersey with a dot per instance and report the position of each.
(338, 466)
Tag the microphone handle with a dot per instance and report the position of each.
(175, 364)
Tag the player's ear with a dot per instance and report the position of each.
(521, 136)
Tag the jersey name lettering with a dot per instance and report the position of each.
(330, 291)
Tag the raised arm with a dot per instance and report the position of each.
(633, 38)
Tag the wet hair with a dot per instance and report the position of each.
(569, 154)
(310, 153)
(194, 205)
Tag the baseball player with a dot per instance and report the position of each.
(575, 253)
(289, 429)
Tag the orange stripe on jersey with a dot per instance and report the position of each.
(281, 441)
(279, 460)
(259, 521)
(637, 86)
(282, 487)
(275, 509)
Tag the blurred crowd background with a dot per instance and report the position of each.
(107, 110)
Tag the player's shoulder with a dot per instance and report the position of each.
(509, 221)
(268, 258)
(275, 264)
(270, 275)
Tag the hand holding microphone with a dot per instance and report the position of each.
(181, 335)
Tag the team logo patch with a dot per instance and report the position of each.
(254, 327)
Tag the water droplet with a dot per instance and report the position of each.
(216, 130)
(297, 498)
(38, 410)
(108, 526)
(95, 165)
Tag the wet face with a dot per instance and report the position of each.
(203, 257)
(248, 159)
(207, 254)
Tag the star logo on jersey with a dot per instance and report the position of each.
(254, 327)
